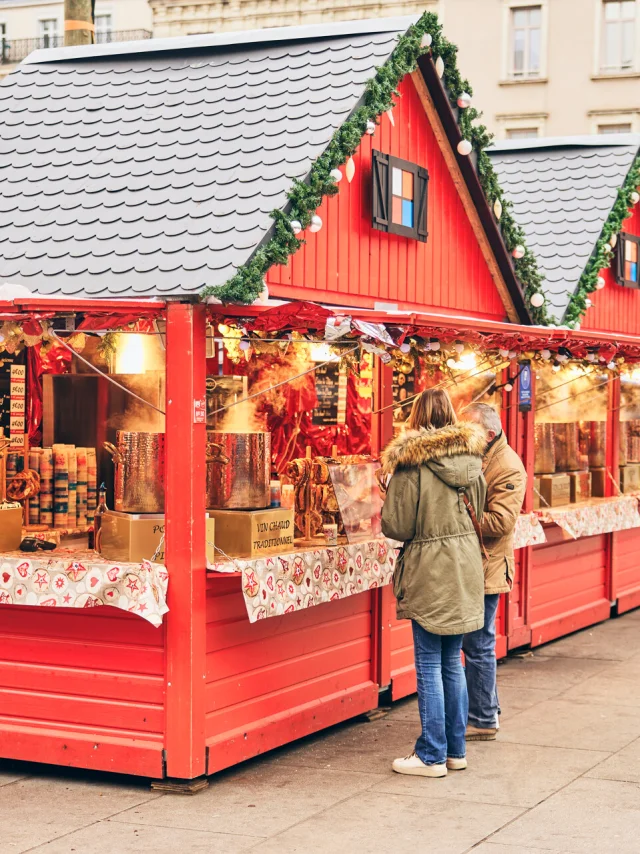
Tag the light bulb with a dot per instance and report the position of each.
(508, 387)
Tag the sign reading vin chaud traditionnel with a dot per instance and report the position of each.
(251, 533)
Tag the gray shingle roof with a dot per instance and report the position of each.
(562, 192)
(153, 173)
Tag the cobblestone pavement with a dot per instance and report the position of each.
(564, 776)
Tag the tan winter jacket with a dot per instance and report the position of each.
(506, 485)
(439, 579)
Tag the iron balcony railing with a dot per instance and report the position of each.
(15, 50)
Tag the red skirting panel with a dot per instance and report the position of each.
(568, 586)
(626, 569)
(271, 682)
(84, 689)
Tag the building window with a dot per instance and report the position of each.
(522, 133)
(526, 39)
(618, 42)
(49, 31)
(104, 28)
(399, 203)
(628, 260)
(619, 128)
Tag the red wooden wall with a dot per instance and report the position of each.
(276, 680)
(616, 309)
(82, 688)
(351, 263)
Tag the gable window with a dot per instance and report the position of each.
(522, 133)
(399, 203)
(620, 128)
(618, 35)
(628, 260)
(525, 41)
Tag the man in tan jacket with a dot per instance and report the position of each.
(506, 485)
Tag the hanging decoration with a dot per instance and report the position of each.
(305, 196)
(350, 169)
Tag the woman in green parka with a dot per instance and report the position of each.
(435, 465)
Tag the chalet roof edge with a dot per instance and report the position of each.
(602, 140)
(399, 23)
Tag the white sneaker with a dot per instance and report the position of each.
(414, 766)
(456, 764)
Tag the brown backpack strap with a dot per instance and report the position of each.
(474, 522)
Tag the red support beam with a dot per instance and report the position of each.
(185, 542)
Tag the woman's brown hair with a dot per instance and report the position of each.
(433, 408)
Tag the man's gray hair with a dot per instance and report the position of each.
(485, 414)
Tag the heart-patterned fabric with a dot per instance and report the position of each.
(67, 578)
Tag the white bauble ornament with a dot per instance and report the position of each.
(588, 303)
(350, 169)
(497, 208)
(296, 226)
(608, 248)
(336, 175)
(600, 283)
(537, 300)
(464, 147)
(545, 354)
(634, 198)
(518, 251)
(464, 100)
(426, 40)
(439, 66)
(316, 223)
(371, 128)
(576, 326)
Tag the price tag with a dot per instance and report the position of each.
(200, 410)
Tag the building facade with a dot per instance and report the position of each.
(28, 25)
(538, 67)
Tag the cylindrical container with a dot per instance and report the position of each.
(60, 486)
(73, 484)
(46, 487)
(287, 496)
(597, 444)
(567, 440)
(330, 532)
(545, 453)
(275, 493)
(238, 470)
(92, 484)
(624, 439)
(139, 476)
(81, 505)
(34, 502)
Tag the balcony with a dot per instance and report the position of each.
(13, 51)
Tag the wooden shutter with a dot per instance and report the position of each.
(620, 261)
(380, 191)
(422, 183)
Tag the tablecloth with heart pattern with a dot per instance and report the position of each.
(66, 578)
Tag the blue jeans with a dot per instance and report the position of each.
(480, 660)
(442, 696)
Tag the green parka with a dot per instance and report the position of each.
(439, 581)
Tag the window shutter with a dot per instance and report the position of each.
(620, 260)
(380, 186)
(422, 180)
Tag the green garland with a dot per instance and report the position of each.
(305, 197)
(601, 258)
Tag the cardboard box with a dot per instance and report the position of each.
(555, 489)
(251, 533)
(10, 528)
(580, 486)
(536, 493)
(131, 538)
(630, 478)
(599, 480)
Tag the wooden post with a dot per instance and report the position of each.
(185, 541)
(79, 27)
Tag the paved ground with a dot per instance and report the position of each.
(563, 777)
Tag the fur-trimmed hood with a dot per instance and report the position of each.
(418, 447)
